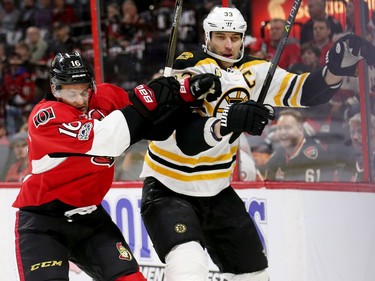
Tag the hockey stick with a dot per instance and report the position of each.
(173, 39)
(279, 50)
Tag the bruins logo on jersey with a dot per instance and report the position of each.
(234, 95)
(185, 56)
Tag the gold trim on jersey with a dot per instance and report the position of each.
(282, 90)
(251, 63)
(206, 61)
(295, 95)
(183, 176)
(165, 154)
(284, 87)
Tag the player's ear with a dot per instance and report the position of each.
(93, 86)
(53, 89)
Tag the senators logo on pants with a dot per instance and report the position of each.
(124, 253)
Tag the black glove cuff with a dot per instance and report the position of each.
(138, 105)
(135, 122)
(332, 86)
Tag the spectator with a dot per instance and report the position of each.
(3, 68)
(322, 38)
(187, 30)
(317, 11)
(62, 41)
(83, 14)
(350, 16)
(9, 16)
(43, 16)
(310, 55)
(350, 21)
(355, 130)
(22, 53)
(63, 13)
(298, 157)
(113, 26)
(37, 45)
(19, 87)
(266, 49)
(20, 169)
(27, 15)
(132, 25)
(4, 150)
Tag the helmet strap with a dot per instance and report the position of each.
(216, 56)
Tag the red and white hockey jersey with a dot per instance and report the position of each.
(72, 154)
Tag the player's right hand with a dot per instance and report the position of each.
(163, 95)
(162, 92)
(248, 116)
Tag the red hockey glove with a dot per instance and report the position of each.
(143, 99)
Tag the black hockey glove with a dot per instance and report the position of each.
(161, 94)
(201, 86)
(248, 116)
(344, 55)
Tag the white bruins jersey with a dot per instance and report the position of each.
(209, 172)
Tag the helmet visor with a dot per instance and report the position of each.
(71, 95)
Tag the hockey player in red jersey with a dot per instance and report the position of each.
(75, 134)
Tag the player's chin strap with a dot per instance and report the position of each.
(216, 56)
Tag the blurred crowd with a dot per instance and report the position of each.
(134, 40)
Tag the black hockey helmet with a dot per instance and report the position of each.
(69, 68)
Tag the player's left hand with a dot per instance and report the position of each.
(346, 52)
(201, 86)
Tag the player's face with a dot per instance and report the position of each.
(309, 58)
(289, 132)
(355, 131)
(226, 44)
(76, 95)
(20, 149)
(321, 31)
(276, 30)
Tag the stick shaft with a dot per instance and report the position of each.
(279, 50)
(172, 45)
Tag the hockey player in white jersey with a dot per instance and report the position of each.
(188, 204)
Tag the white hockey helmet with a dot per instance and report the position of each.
(227, 20)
